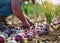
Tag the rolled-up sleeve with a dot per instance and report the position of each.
(5, 8)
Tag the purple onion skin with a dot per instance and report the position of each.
(8, 31)
(33, 32)
(18, 38)
(59, 22)
(41, 26)
(55, 23)
(2, 39)
(43, 30)
(13, 30)
(29, 37)
(40, 32)
(47, 26)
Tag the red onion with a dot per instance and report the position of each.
(2, 38)
(18, 37)
(40, 32)
(29, 37)
(59, 21)
(33, 32)
(55, 23)
(8, 31)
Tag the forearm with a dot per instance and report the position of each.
(17, 10)
(27, 18)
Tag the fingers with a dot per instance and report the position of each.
(31, 24)
(25, 25)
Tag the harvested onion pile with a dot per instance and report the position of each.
(14, 35)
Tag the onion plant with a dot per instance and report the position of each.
(26, 8)
(58, 11)
(13, 19)
(49, 11)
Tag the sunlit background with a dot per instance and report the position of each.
(55, 2)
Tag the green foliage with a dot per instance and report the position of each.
(13, 16)
(48, 11)
(58, 10)
(26, 8)
(30, 9)
(36, 9)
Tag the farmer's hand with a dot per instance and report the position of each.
(28, 19)
(31, 24)
(25, 25)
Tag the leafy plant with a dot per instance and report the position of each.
(13, 18)
(26, 8)
(58, 11)
(35, 9)
(48, 11)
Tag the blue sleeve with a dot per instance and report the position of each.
(5, 7)
(6, 10)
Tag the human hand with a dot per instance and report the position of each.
(31, 24)
(25, 25)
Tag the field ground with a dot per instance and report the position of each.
(53, 37)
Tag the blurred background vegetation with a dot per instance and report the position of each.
(41, 7)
